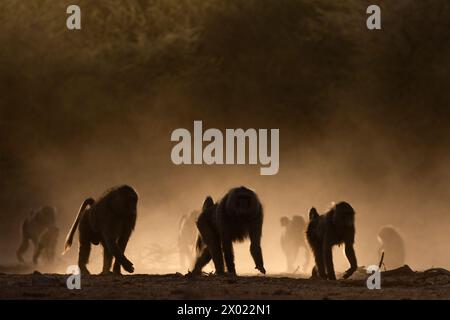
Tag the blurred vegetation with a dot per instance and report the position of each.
(295, 62)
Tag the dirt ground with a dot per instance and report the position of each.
(400, 284)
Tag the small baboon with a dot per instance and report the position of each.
(239, 215)
(292, 240)
(335, 227)
(391, 243)
(187, 232)
(33, 228)
(110, 221)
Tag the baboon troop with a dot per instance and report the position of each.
(187, 233)
(292, 239)
(391, 244)
(335, 227)
(237, 216)
(207, 235)
(110, 220)
(39, 228)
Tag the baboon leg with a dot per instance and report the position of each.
(212, 242)
(319, 269)
(351, 256)
(203, 259)
(122, 244)
(119, 257)
(227, 246)
(38, 252)
(107, 260)
(83, 256)
(255, 247)
(85, 236)
(22, 248)
(328, 260)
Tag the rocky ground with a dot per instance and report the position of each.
(397, 284)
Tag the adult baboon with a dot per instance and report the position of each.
(391, 243)
(237, 216)
(335, 227)
(293, 239)
(33, 227)
(187, 232)
(110, 221)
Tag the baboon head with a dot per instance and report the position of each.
(387, 234)
(242, 203)
(284, 221)
(46, 216)
(343, 215)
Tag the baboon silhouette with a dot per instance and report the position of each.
(33, 228)
(239, 215)
(110, 221)
(392, 244)
(335, 227)
(292, 239)
(187, 233)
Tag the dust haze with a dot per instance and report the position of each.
(363, 117)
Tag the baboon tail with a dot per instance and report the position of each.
(69, 238)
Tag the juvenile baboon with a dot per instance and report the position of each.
(335, 227)
(110, 221)
(33, 227)
(239, 215)
(187, 232)
(293, 239)
(391, 243)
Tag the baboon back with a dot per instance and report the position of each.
(114, 212)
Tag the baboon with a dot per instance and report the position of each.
(391, 243)
(293, 239)
(335, 227)
(110, 221)
(239, 215)
(33, 227)
(187, 232)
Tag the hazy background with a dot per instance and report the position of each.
(363, 115)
